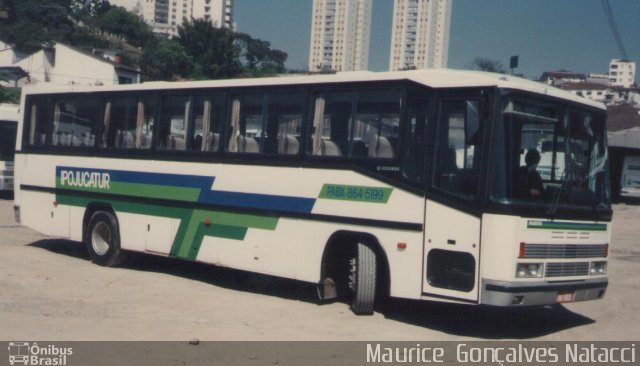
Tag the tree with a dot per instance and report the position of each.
(8, 95)
(118, 20)
(259, 58)
(485, 64)
(214, 54)
(83, 9)
(166, 60)
(30, 23)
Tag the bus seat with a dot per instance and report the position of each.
(214, 141)
(288, 144)
(86, 139)
(373, 145)
(179, 144)
(247, 145)
(384, 149)
(175, 143)
(171, 142)
(128, 140)
(65, 139)
(196, 145)
(329, 148)
(380, 147)
(118, 139)
(145, 141)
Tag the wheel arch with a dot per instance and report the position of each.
(337, 249)
(92, 208)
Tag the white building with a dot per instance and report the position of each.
(622, 73)
(64, 65)
(340, 34)
(590, 90)
(420, 34)
(164, 16)
(8, 55)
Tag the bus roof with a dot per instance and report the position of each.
(435, 78)
(9, 112)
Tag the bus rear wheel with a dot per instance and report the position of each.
(362, 279)
(102, 239)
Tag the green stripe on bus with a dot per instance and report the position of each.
(532, 224)
(355, 193)
(194, 224)
(219, 225)
(141, 190)
(252, 221)
(214, 230)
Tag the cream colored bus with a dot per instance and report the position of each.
(403, 184)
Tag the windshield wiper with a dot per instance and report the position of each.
(556, 196)
(554, 203)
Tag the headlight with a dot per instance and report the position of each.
(529, 270)
(598, 268)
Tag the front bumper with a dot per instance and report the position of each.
(502, 293)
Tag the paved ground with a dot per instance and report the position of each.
(51, 291)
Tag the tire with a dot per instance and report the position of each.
(102, 239)
(362, 280)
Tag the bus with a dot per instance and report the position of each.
(370, 185)
(8, 128)
(631, 176)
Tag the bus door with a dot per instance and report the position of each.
(452, 236)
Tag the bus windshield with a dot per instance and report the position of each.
(552, 158)
(7, 140)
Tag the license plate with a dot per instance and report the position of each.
(564, 297)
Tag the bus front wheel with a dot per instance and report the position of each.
(103, 239)
(362, 279)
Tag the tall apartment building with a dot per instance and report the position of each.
(622, 73)
(340, 34)
(166, 15)
(420, 34)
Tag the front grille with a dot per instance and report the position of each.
(564, 251)
(567, 269)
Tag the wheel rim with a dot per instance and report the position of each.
(101, 238)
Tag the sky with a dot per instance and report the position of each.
(546, 34)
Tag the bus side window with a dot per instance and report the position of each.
(128, 123)
(35, 123)
(207, 123)
(175, 112)
(75, 122)
(247, 135)
(374, 133)
(284, 120)
(332, 114)
(456, 168)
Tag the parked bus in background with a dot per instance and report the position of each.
(630, 181)
(403, 184)
(8, 128)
